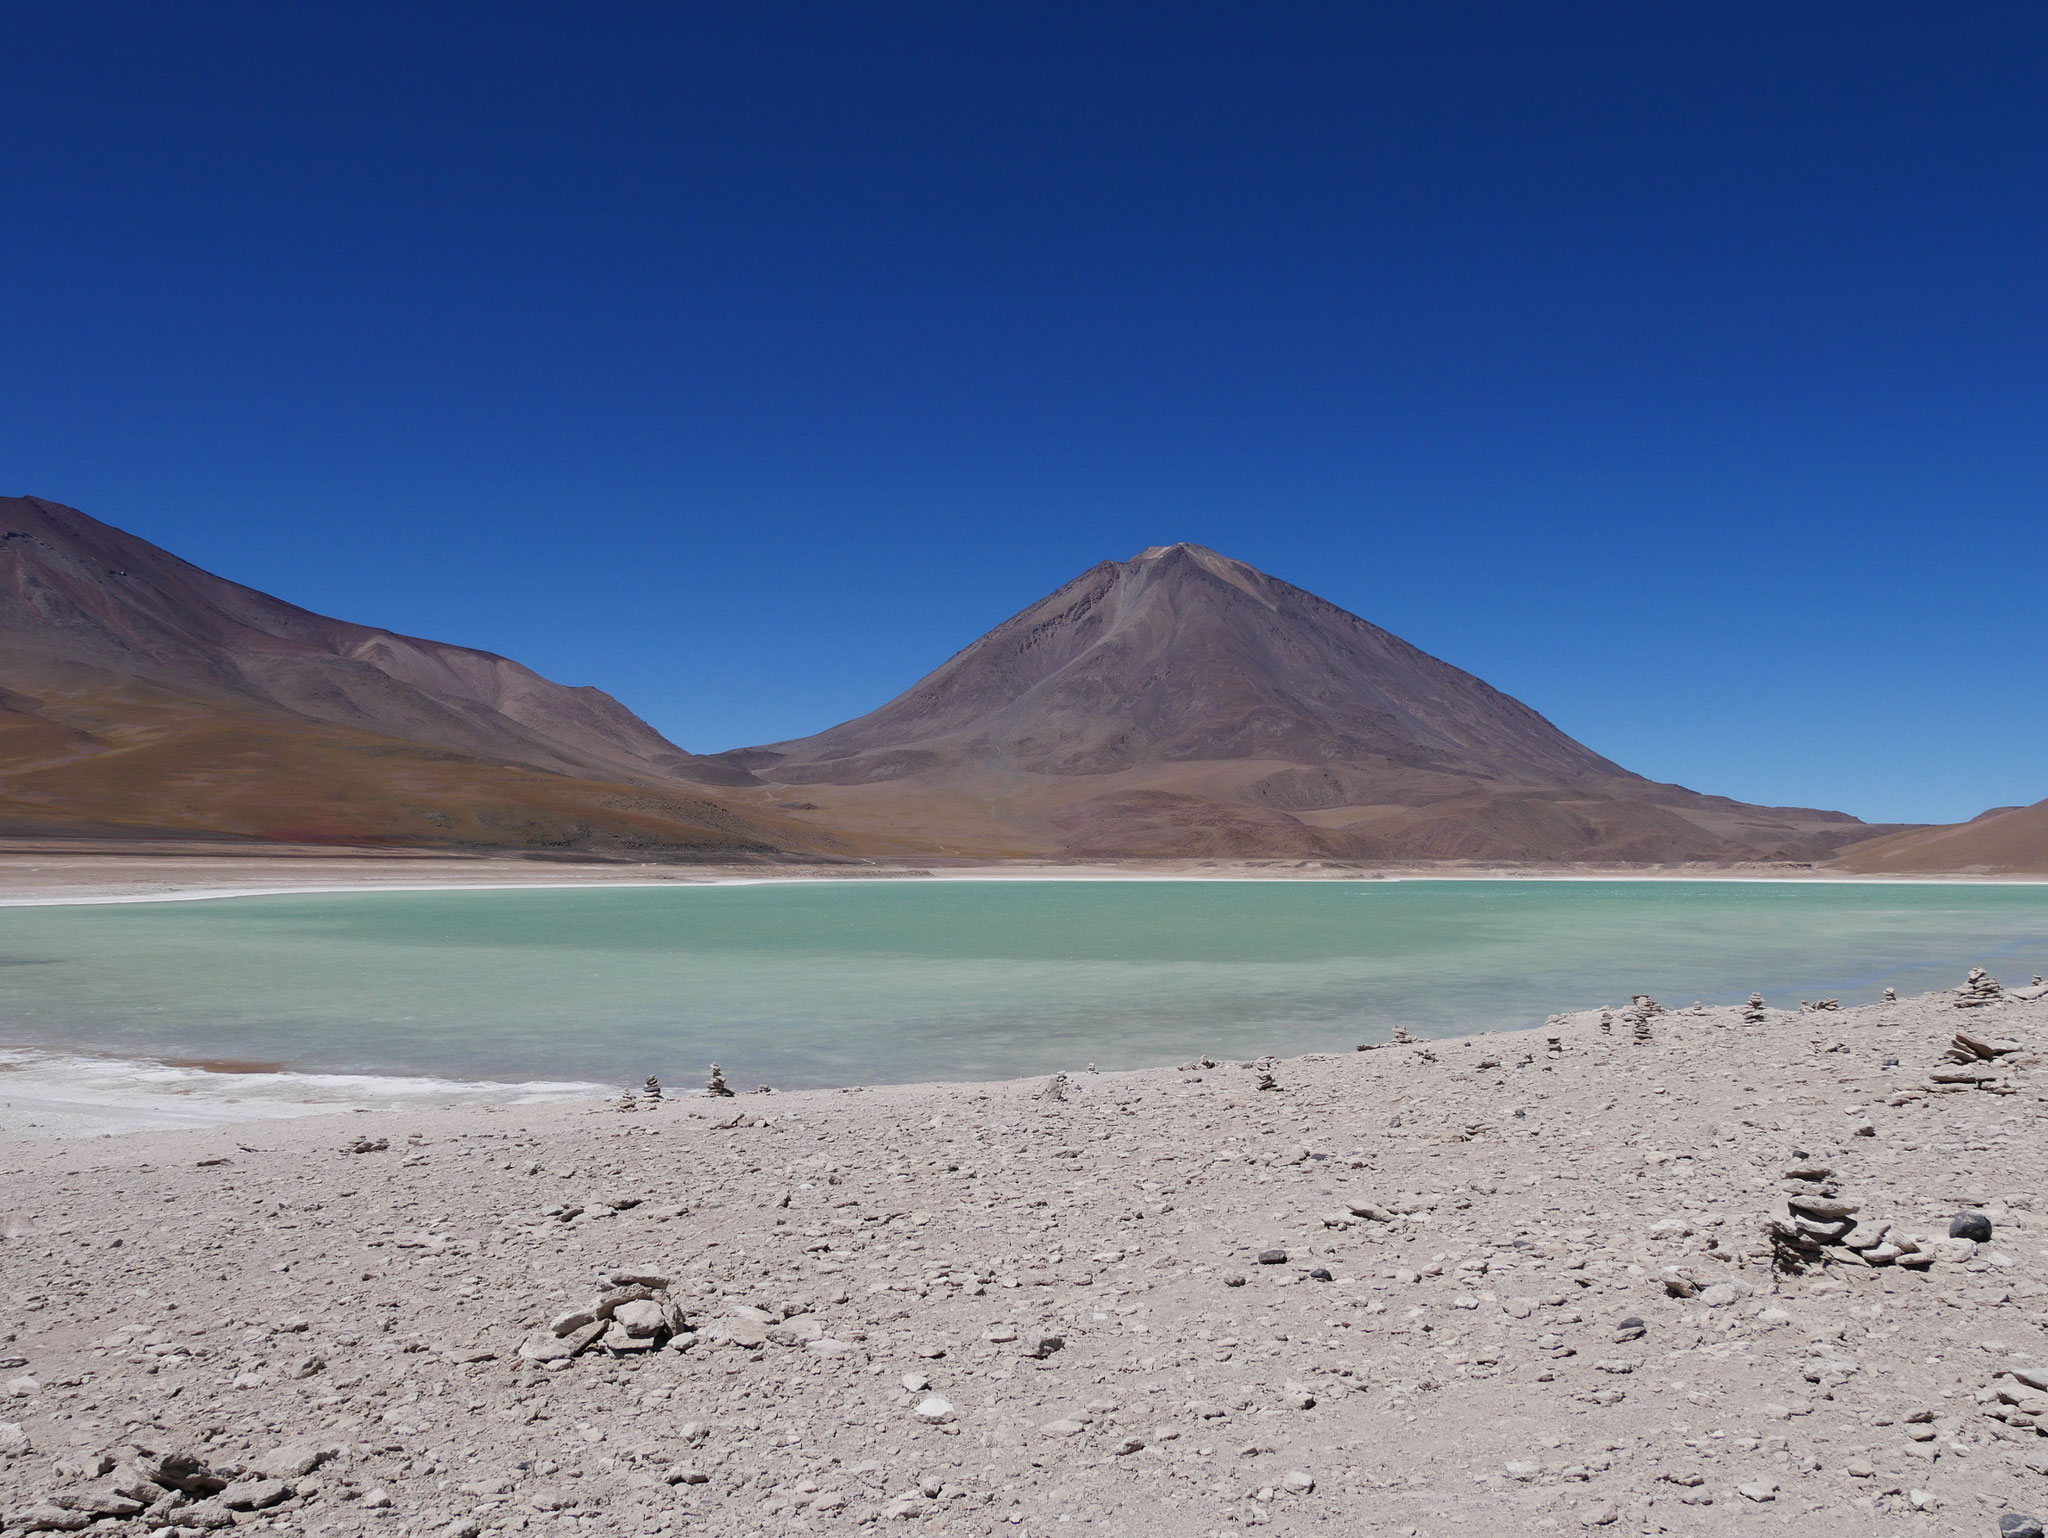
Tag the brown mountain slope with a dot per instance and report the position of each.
(82, 602)
(139, 694)
(2010, 840)
(1183, 703)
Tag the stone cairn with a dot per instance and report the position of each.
(1265, 1079)
(1814, 1224)
(1058, 1087)
(1606, 1022)
(626, 1102)
(1978, 1064)
(1638, 1015)
(1753, 1011)
(1979, 988)
(716, 1085)
(1891, 995)
(632, 1313)
(651, 1091)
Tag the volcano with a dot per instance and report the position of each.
(1185, 704)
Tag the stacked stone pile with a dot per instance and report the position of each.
(1642, 1009)
(1815, 1224)
(633, 1314)
(2019, 1397)
(1979, 988)
(175, 1489)
(1753, 1011)
(1976, 1063)
(716, 1085)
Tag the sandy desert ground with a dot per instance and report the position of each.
(1516, 1283)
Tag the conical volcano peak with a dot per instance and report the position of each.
(1241, 575)
(1183, 702)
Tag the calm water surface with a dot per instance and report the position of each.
(808, 984)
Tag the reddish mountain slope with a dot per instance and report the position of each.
(2010, 840)
(139, 693)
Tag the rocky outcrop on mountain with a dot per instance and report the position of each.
(1184, 704)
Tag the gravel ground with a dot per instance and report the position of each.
(1514, 1283)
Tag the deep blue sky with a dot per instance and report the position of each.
(1677, 368)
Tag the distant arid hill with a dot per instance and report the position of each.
(142, 695)
(2008, 841)
(1185, 704)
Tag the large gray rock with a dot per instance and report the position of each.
(293, 1460)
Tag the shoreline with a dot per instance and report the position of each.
(997, 873)
(1515, 1282)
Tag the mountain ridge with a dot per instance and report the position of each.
(143, 694)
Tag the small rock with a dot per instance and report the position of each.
(1973, 1226)
(1042, 1346)
(1300, 1481)
(2013, 1525)
(1272, 1257)
(1760, 1491)
(1059, 1428)
(935, 1410)
(641, 1318)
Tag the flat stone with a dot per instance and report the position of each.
(47, 1518)
(293, 1460)
(254, 1494)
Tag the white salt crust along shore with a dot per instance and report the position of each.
(58, 879)
(1552, 1301)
